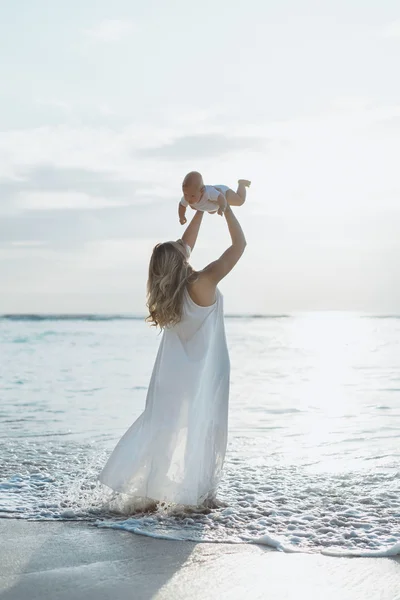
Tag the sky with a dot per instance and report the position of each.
(105, 106)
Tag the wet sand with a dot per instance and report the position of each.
(60, 561)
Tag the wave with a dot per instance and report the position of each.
(127, 317)
(378, 553)
(69, 317)
(133, 525)
(91, 317)
(380, 316)
(258, 316)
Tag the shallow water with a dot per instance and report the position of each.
(313, 455)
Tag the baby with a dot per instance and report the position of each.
(209, 198)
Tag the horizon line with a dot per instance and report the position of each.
(43, 316)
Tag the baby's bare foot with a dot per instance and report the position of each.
(245, 182)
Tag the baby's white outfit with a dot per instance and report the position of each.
(208, 200)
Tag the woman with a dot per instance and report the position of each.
(174, 452)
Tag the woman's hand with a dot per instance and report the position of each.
(222, 203)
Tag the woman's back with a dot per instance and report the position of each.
(194, 315)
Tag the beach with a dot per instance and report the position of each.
(60, 561)
(312, 458)
(311, 468)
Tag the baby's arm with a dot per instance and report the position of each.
(182, 212)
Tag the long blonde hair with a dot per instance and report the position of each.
(169, 274)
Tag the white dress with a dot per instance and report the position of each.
(175, 450)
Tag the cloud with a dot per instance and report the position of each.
(99, 149)
(50, 177)
(62, 200)
(109, 30)
(49, 186)
(202, 146)
(61, 105)
(70, 229)
(27, 244)
(392, 30)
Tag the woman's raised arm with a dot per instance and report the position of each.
(218, 269)
(192, 230)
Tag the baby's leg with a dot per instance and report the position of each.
(237, 198)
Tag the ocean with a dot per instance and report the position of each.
(312, 463)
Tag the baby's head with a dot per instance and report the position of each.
(193, 187)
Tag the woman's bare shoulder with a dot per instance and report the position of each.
(202, 290)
